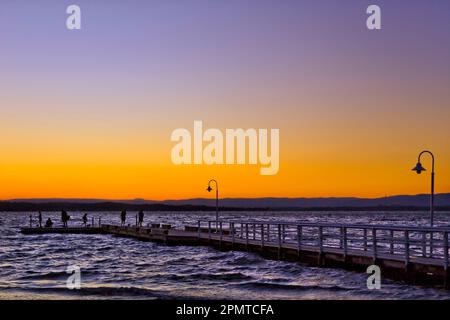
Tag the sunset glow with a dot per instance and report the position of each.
(89, 114)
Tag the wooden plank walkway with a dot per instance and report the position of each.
(412, 254)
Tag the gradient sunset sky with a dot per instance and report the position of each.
(89, 113)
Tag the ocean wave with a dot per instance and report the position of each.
(232, 276)
(105, 291)
(293, 287)
(247, 260)
(51, 275)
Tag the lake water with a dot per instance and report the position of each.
(34, 266)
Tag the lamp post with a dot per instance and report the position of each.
(209, 189)
(419, 168)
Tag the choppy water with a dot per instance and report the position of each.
(34, 266)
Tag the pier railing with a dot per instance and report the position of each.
(387, 241)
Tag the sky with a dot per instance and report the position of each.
(89, 113)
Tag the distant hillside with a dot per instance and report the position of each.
(401, 202)
(421, 200)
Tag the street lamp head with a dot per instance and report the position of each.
(209, 189)
(418, 168)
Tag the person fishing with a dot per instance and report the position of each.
(49, 223)
(40, 219)
(85, 220)
(141, 218)
(123, 217)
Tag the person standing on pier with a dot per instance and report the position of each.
(123, 217)
(64, 218)
(40, 219)
(141, 218)
(85, 220)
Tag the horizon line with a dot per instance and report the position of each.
(224, 198)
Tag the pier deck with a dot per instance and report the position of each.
(412, 254)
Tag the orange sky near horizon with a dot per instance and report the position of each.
(118, 170)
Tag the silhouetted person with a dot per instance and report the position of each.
(85, 220)
(49, 223)
(64, 218)
(40, 219)
(123, 217)
(141, 218)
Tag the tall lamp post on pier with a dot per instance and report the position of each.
(209, 189)
(419, 168)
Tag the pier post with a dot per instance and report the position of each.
(446, 269)
(344, 239)
(447, 279)
(99, 222)
(246, 236)
(320, 258)
(209, 231)
(320, 238)
(391, 245)
(299, 239)
(31, 221)
(232, 234)
(268, 232)
(365, 239)
(446, 249)
(406, 248)
(374, 242)
(424, 244)
(407, 264)
(279, 241)
(198, 229)
(220, 224)
(262, 236)
(431, 244)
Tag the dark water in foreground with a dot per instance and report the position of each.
(34, 266)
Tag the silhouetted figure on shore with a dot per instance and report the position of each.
(141, 218)
(40, 219)
(123, 217)
(64, 218)
(49, 223)
(85, 220)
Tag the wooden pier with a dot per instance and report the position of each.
(412, 254)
